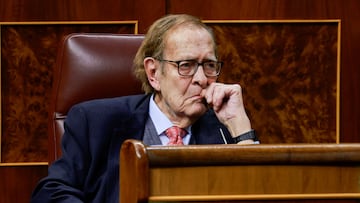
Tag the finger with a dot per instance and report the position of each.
(208, 92)
(219, 96)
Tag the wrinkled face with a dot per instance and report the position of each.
(179, 96)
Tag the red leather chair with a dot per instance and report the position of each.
(90, 66)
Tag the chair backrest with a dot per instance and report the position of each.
(90, 66)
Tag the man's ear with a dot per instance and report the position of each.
(152, 72)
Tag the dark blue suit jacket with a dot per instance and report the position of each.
(88, 170)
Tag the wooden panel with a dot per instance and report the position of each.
(239, 172)
(280, 63)
(17, 181)
(28, 53)
(255, 182)
(143, 11)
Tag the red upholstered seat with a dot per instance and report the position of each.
(90, 66)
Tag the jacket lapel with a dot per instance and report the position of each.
(133, 127)
(207, 130)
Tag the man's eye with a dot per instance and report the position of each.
(185, 64)
(211, 65)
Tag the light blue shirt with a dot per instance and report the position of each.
(161, 123)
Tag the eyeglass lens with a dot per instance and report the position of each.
(188, 68)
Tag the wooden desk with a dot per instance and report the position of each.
(203, 173)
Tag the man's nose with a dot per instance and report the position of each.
(200, 77)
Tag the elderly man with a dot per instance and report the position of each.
(178, 66)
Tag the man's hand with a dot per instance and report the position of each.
(227, 102)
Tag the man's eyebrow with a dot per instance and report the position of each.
(204, 60)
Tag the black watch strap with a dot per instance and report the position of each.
(251, 135)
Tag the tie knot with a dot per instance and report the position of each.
(175, 135)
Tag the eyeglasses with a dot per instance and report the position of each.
(189, 67)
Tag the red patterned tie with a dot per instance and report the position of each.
(175, 135)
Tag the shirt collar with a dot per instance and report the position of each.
(160, 121)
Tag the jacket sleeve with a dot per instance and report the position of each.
(66, 176)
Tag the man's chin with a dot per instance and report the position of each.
(198, 109)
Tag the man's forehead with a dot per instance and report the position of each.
(187, 38)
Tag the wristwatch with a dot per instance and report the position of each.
(246, 136)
